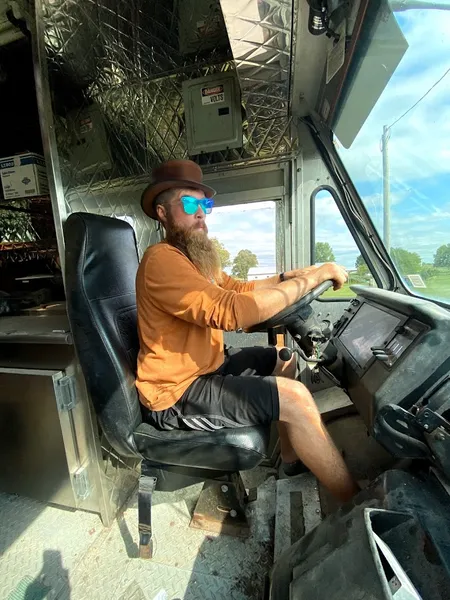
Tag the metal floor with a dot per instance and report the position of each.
(51, 553)
(48, 553)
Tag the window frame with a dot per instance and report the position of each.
(349, 202)
(333, 193)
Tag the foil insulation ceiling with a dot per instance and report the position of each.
(260, 34)
(132, 57)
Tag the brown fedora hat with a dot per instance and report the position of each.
(173, 174)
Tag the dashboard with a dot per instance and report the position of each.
(376, 333)
(394, 353)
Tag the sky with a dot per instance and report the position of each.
(419, 143)
(419, 159)
(250, 227)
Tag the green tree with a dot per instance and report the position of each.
(222, 252)
(442, 256)
(361, 266)
(242, 263)
(428, 271)
(408, 263)
(324, 252)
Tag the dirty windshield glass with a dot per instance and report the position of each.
(399, 160)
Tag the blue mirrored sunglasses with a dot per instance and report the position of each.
(191, 204)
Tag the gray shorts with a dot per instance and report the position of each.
(241, 393)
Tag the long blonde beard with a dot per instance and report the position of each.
(196, 245)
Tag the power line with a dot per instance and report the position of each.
(386, 175)
(420, 99)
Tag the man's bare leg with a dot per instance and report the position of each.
(311, 441)
(288, 454)
(286, 369)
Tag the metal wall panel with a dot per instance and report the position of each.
(260, 33)
(130, 59)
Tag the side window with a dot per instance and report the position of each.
(247, 239)
(250, 245)
(333, 242)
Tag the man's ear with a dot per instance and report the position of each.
(161, 214)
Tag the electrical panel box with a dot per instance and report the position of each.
(89, 151)
(213, 113)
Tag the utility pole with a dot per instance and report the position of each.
(386, 189)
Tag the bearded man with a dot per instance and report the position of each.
(186, 378)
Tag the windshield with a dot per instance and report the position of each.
(399, 159)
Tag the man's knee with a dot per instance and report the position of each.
(291, 390)
(295, 399)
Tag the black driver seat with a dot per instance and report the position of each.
(101, 262)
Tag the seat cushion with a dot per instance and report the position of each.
(225, 450)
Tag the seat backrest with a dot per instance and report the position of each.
(101, 262)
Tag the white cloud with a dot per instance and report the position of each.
(326, 207)
(419, 148)
(242, 208)
(249, 226)
(418, 144)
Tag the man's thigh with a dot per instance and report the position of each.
(217, 401)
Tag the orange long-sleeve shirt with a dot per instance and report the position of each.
(181, 319)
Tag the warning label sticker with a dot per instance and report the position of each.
(86, 125)
(213, 95)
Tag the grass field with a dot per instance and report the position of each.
(438, 287)
(344, 292)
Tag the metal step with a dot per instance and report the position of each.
(297, 510)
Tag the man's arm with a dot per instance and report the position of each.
(229, 283)
(271, 301)
(172, 282)
(275, 280)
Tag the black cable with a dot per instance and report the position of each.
(420, 99)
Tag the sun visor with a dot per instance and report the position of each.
(357, 71)
(379, 52)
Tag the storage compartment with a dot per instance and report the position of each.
(35, 461)
(30, 272)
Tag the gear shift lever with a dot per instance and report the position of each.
(285, 354)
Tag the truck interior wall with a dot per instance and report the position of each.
(128, 62)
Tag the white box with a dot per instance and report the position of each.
(23, 175)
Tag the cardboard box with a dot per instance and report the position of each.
(23, 175)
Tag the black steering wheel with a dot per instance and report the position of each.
(290, 314)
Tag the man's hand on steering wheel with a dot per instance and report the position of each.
(336, 273)
(326, 276)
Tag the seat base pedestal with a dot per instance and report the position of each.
(221, 507)
(147, 486)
